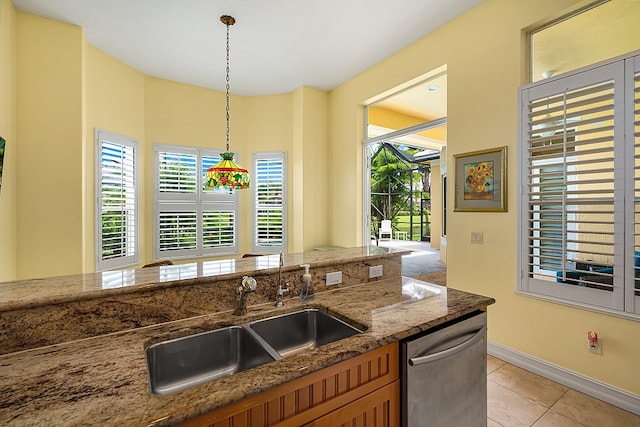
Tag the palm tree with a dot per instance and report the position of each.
(390, 183)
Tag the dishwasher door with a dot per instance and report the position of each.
(445, 376)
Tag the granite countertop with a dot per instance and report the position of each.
(33, 292)
(103, 380)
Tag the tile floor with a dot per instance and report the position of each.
(516, 397)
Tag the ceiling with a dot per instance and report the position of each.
(276, 46)
(426, 100)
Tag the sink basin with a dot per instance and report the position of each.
(296, 332)
(185, 362)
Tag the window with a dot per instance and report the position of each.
(603, 29)
(579, 229)
(117, 201)
(191, 221)
(269, 202)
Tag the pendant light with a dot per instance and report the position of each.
(227, 174)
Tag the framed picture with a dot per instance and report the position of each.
(2, 145)
(481, 181)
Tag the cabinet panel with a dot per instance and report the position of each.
(377, 409)
(305, 399)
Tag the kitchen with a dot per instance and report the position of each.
(485, 69)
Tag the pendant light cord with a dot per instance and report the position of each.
(227, 87)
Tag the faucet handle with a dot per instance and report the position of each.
(281, 291)
(249, 284)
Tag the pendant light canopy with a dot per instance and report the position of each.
(227, 174)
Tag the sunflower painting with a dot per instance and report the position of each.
(481, 181)
(478, 182)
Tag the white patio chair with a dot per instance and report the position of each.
(385, 229)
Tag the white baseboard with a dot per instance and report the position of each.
(615, 396)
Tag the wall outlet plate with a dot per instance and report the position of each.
(595, 349)
(375, 271)
(334, 278)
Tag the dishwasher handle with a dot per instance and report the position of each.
(479, 334)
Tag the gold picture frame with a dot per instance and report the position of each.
(481, 181)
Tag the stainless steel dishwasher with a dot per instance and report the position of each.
(444, 373)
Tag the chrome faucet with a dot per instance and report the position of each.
(247, 286)
(281, 291)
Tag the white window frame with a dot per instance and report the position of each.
(624, 298)
(199, 201)
(132, 234)
(256, 246)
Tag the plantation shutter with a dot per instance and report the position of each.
(178, 230)
(177, 175)
(269, 197)
(219, 228)
(191, 220)
(632, 289)
(574, 194)
(117, 236)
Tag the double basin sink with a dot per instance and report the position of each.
(178, 364)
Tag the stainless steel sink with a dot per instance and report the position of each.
(185, 362)
(181, 363)
(296, 332)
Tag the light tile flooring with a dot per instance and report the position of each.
(516, 397)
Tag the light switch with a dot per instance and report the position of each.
(477, 237)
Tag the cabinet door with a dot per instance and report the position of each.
(377, 409)
(310, 397)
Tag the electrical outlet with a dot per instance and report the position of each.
(477, 237)
(334, 278)
(375, 271)
(597, 348)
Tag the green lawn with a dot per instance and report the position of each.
(401, 223)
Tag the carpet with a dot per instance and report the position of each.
(437, 277)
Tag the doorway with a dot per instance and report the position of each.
(405, 135)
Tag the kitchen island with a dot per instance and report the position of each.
(103, 380)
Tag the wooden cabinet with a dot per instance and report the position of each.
(377, 409)
(365, 387)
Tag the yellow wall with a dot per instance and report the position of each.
(8, 193)
(310, 227)
(115, 103)
(484, 52)
(49, 111)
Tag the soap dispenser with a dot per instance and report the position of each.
(306, 291)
